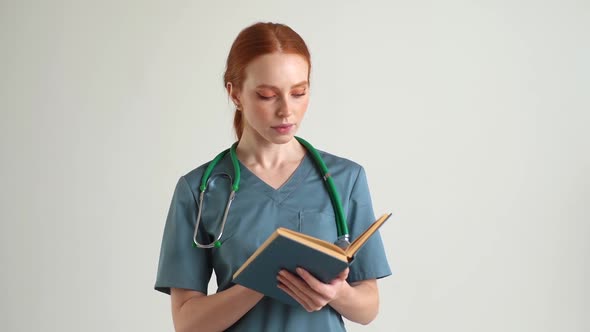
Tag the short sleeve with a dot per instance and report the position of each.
(370, 261)
(181, 265)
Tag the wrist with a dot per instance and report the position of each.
(345, 293)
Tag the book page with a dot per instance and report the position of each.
(310, 241)
(358, 242)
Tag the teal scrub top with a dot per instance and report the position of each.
(302, 204)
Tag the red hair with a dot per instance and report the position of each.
(254, 41)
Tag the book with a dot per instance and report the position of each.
(288, 249)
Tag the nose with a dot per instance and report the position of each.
(285, 109)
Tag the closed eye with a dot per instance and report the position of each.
(296, 95)
(265, 97)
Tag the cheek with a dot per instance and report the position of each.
(255, 106)
(303, 105)
(258, 112)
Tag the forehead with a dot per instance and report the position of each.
(276, 69)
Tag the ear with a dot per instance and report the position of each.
(233, 93)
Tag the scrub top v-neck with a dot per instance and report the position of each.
(251, 180)
(302, 203)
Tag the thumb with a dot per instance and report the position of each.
(344, 274)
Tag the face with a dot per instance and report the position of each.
(274, 97)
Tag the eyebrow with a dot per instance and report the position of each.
(302, 83)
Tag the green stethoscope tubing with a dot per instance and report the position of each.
(341, 225)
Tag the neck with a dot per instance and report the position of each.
(254, 150)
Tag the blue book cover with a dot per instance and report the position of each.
(287, 249)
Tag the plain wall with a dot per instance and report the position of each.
(470, 118)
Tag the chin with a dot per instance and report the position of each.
(280, 139)
(283, 139)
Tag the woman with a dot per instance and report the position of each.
(267, 78)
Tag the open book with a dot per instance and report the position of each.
(288, 249)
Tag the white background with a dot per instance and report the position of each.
(470, 118)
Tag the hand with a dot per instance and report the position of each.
(311, 293)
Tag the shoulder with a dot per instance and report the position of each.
(342, 167)
(340, 162)
(349, 176)
(193, 177)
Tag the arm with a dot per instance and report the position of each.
(358, 302)
(192, 310)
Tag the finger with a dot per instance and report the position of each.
(295, 280)
(316, 285)
(293, 295)
(344, 274)
(313, 298)
(296, 293)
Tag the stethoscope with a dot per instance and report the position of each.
(341, 226)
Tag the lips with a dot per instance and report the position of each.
(283, 126)
(283, 129)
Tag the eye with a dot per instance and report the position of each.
(299, 94)
(263, 97)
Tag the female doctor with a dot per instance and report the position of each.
(280, 185)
